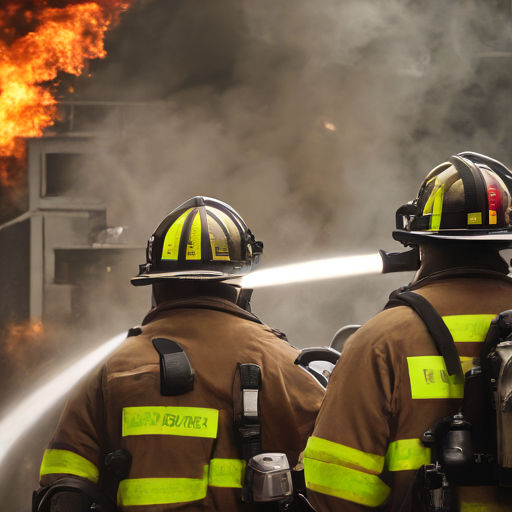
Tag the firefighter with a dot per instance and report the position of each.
(171, 419)
(391, 385)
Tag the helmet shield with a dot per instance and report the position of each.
(202, 239)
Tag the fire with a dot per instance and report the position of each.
(20, 340)
(39, 39)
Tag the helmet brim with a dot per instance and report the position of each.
(195, 275)
(503, 238)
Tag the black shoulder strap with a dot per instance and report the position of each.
(443, 338)
(176, 373)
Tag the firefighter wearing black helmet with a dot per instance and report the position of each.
(174, 416)
(393, 383)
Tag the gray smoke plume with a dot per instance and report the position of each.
(314, 120)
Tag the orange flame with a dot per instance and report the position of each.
(21, 339)
(37, 41)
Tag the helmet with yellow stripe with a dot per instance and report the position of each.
(468, 198)
(202, 239)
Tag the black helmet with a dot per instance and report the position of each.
(468, 198)
(202, 239)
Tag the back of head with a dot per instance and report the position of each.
(436, 258)
(183, 289)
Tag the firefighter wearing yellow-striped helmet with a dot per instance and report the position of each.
(203, 239)
(174, 405)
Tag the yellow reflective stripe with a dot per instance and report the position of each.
(468, 327)
(475, 507)
(173, 421)
(328, 451)
(194, 240)
(345, 483)
(434, 205)
(173, 237)
(160, 491)
(429, 377)
(407, 454)
(227, 473)
(66, 462)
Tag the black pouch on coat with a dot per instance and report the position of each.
(176, 373)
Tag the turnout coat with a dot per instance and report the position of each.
(183, 448)
(390, 386)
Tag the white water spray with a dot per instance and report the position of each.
(315, 270)
(29, 410)
(26, 414)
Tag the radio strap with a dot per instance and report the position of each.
(246, 388)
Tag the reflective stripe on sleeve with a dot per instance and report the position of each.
(226, 473)
(344, 472)
(345, 483)
(161, 491)
(468, 328)
(406, 454)
(173, 421)
(69, 463)
(429, 377)
(328, 451)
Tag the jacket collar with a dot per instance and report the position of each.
(212, 303)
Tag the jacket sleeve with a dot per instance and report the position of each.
(77, 448)
(344, 459)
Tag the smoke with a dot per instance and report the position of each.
(314, 120)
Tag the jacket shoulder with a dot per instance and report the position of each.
(395, 326)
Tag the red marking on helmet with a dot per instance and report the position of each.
(495, 200)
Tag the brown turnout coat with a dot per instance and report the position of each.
(184, 455)
(378, 403)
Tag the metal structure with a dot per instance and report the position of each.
(59, 256)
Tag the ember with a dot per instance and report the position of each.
(39, 39)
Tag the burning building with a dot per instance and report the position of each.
(55, 240)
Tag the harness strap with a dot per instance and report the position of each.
(247, 425)
(443, 339)
(176, 373)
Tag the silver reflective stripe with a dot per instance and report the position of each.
(250, 400)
